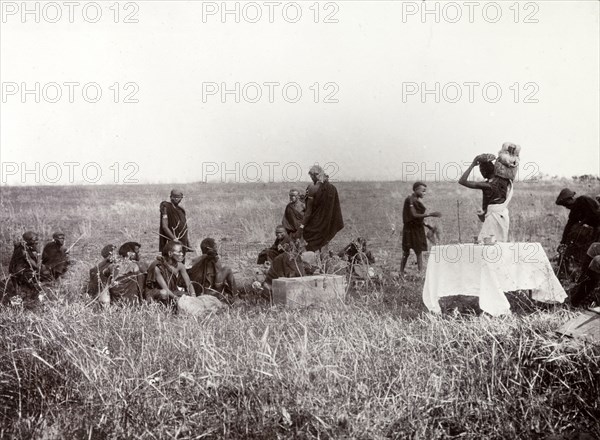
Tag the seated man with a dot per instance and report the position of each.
(131, 250)
(590, 277)
(269, 254)
(356, 252)
(289, 264)
(207, 272)
(293, 214)
(101, 273)
(582, 228)
(25, 268)
(128, 280)
(166, 274)
(55, 256)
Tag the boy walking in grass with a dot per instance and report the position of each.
(413, 233)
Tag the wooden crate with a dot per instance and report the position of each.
(585, 326)
(322, 290)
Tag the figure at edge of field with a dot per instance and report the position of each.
(497, 193)
(207, 271)
(173, 223)
(413, 232)
(166, 274)
(323, 215)
(590, 276)
(55, 256)
(293, 214)
(100, 274)
(270, 253)
(582, 228)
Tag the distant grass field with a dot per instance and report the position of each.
(378, 366)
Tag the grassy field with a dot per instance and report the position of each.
(377, 366)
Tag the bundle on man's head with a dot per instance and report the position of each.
(507, 164)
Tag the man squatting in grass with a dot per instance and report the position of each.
(269, 254)
(590, 276)
(166, 274)
(207, 272)
(55, 256)
(413, 233)
(101, 273)
(25, 268)
(582, 228)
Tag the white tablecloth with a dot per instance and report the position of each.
(487, 271)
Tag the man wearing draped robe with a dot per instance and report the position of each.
(173, 222)
(293, 214)
(323, 216)
(55, 256)
(208, 273)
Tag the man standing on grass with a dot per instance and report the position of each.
(173, 223)
(323, 215)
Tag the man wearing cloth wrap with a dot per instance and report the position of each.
(173, 223)
(323, 215)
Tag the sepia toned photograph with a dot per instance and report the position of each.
(300, 219)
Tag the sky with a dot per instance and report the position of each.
(188, 91)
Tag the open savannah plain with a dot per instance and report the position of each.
(376, 366)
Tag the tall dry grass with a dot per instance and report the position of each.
(377, 366)
(258, 372)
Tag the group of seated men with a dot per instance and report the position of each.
(122, 278)
(28, 270)
(288, 258)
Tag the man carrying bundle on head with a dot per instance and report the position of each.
(207, 272)
(55, 256)
(173, 223)
(497, 193)
(293, 214)
(323, 216)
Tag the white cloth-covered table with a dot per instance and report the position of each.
(487, 271)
